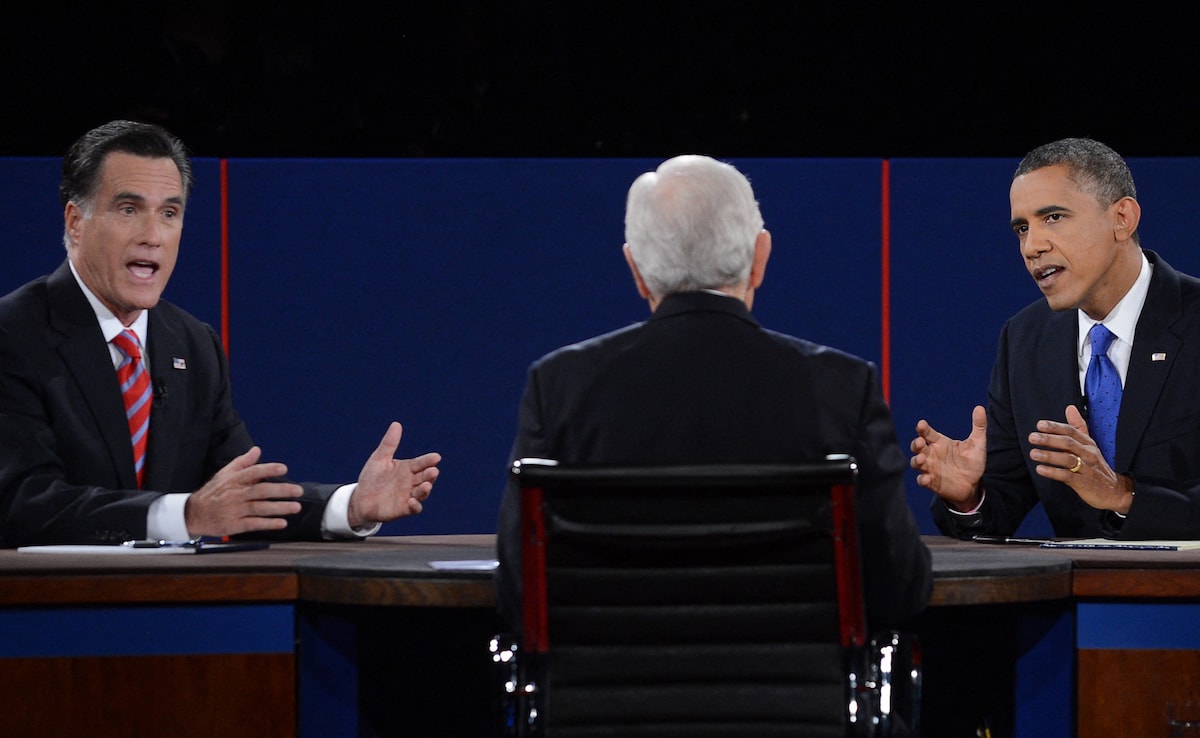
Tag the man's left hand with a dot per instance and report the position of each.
(390, 488)
(1067, 453)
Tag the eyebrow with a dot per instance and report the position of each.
(1042, 211)
(118, 197)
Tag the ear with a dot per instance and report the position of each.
(637, 276)
(762, 252)
(72, 216)
(1127, 213)
(758, 267)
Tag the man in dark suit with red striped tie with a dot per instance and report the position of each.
(77, 466)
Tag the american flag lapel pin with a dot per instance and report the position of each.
(178, 363)
(1158, 356)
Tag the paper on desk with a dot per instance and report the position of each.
(1159, 545)
(466, 565)
(86, 549)
(204, 547)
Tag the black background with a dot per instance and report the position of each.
(471, 78)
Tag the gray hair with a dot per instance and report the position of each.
(84, 161)
(691, 224)
(1092, 166)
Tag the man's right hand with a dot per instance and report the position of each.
(239, 500)
(950, 468)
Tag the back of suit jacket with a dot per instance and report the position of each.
(702, 382)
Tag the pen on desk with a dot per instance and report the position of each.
(151, 543)
(1009, 539)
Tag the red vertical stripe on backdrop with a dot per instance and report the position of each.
(225, 255)
(225, 262)
(886, 285)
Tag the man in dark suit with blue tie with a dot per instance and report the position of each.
(701, 381)
(1094, 405)
(72, 468)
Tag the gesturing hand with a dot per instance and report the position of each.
(238, 499)
(951, 468)
(1067, 453)
(390, 488)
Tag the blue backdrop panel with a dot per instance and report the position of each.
(32, 230)
(420, 290)
(824, 278)
(147, 631)
(1045, 674)
(196, 283)
(366, 291)
(1111, 625)
(1167, 191)
(958, 274)
(32, 233)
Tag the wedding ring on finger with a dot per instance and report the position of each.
(1078, 465)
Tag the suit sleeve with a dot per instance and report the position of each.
(1162, 509)
(897, 572)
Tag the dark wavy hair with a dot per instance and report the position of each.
(82, 163)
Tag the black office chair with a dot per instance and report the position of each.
(698, 601)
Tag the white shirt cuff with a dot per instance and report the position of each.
(165, 520)
(974, 510)
(336, 523)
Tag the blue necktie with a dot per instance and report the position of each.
(1103, 393)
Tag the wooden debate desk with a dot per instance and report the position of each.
(233, 643)
(367, 638)
(1104, 662)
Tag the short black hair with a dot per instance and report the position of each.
(1093, 166)
(82, 162)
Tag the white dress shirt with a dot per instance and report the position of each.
(165, 520)
(1122, 322)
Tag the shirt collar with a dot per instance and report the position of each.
(110, 325)
(1122, 319)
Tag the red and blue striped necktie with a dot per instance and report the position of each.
(135, 390)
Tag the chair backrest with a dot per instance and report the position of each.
(693, 600)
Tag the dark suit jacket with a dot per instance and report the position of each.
(702, 382)
(66, 466)
(1158, 429)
